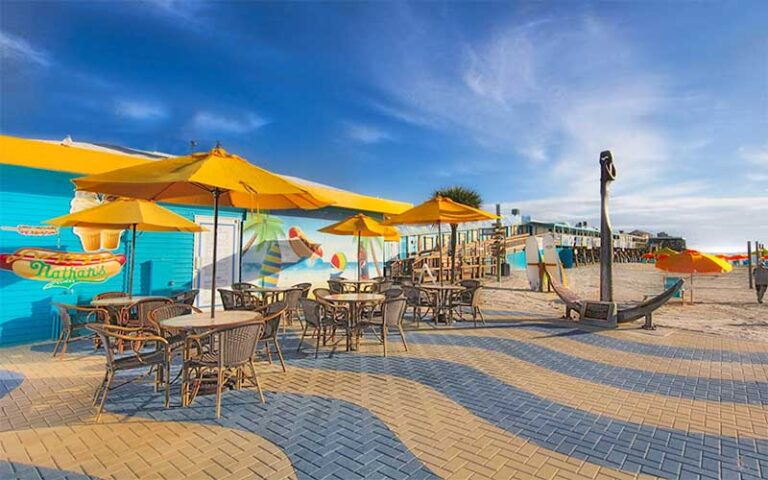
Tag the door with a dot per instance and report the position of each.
(228, 257)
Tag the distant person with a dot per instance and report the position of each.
(761, 281)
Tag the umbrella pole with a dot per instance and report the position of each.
(133, 260)
(216, 193)
(358, 256)
(440, 251)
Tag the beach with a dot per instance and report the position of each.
(723, 304)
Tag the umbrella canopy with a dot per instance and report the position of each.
(191, 180)
(141, 215)
(362, 226)
(124, 213)
(440, 210)
(691, 261)
(212, 178)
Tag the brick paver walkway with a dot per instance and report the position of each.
(514, 400)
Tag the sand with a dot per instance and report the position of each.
(723, 305)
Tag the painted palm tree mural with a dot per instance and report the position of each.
(368, 246)
(263, 233)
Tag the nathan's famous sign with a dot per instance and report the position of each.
(62, 269)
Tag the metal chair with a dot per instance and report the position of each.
(392, 312)
(315, 315)
(274, 312)
(243, 286)
(69, 326)
(113, 337)
(291, 299)
(335, 286)
(137, 313)
(418, 299)
(382, 286)
(468, 299)
(305, 287)
(187, 298)
(238, 300)
(225, 352)
(175, 339)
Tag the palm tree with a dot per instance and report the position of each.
(465, 196)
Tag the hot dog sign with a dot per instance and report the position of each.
(62, 269)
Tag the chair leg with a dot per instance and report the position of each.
(64, 344)
(256, 380)
(384, 336)
(184, 385)
(58, 342)
(219, 382)
(480, 313)
(110, 376)
(402, 335)
(317, 344)
(279, 354)
(97, 393)
(168, 386)
(303, 334)
(269, 353)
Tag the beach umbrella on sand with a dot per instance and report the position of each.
(133, 214)
(361, 226)
(215, 178)
(439, 210)
(692, 261)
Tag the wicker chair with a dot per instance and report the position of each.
(113, 337)
(468, 299)
(187, 298)
(243, 286)
(291, 298)
(392, 311)
(337, 310)
(69, 325)
(137, 313)
(419, 300)
(382, 286)
(320, 319)
(175, 339)
(225, 352)
(470, 283)
(238, 300)
(335, 286)
(392, 292)
(275, 312)
(102, 296)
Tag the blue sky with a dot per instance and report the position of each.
(395, 99)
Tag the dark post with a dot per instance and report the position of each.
(607, 175)
(498, 250)
(749, 263)
(216, 194)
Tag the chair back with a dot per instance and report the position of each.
(383, 286)
(470, 283)
(335, 286)
(102, 296)
(242, 286)
(393, 292)
(107, 339)
(305, 287)
(313, 311)
(169, 311)
(231, 299)
(392, 311)
(237, 343)
(321, 292)
(414, 295)
(291, 298)
(476, 293)
(187, 298)
(273, 314)
(137, 313)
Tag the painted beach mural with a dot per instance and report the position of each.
(283, 251)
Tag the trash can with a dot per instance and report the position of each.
(505, 269)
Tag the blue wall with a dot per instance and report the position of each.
(30, 196)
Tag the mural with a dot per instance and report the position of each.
(64, 269)
(284, 251)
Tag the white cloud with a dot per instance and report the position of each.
(13, 47)
(757, 156)
(367, 134)
(140, 110)
(188, 11)
(213, 122)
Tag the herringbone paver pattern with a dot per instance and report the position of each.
(516, 400)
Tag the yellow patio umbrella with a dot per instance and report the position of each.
(362, 226)
(133, 214)
(439, 210)
(693, 261)
(216, 177)
(664, 253)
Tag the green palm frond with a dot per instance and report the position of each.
(463, 195)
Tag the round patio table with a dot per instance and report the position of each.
(202, 321)
(120, 301)
(354, 300)
(442, 300)
(357, 284)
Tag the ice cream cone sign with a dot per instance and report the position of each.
(93, 239)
